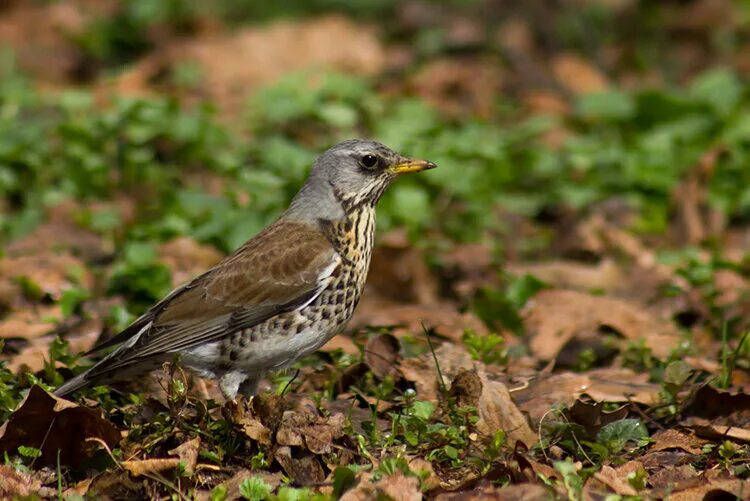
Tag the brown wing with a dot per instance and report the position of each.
(280, 269)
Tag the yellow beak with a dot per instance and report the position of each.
(412, 165)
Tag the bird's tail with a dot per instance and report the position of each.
(78, 382)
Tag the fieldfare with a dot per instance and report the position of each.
(280, 296)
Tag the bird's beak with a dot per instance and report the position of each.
(412, 165)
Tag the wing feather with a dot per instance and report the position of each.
(283, 268)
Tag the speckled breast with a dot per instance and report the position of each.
(353, 239)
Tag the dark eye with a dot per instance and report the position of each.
(369, 160)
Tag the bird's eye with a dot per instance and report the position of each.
(369, 160)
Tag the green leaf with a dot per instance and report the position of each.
(29, 452)
(676, 373)
(344, 479)
(720, 89)
(617, 434)
(607, 105)
(571, 479)
(450, 451)
(219, 493)
(255, 489)
(421, 409)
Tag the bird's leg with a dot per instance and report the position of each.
(249, 387)
(229, 384)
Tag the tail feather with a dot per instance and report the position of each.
(78, 382)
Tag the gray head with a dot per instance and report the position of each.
(350, 174)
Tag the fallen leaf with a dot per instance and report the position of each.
(539, 395)
(578, 75)
(613, 480)
(232, 485)
(422, 370)
(61, 236)
(444, 318)
(399, 272)
(513, 492)
(32, 322)
(16, 484)
(138, 467)
(51, 424)
(399, 487)
(305, 469)
(672, 438)
(691, 200)
(674, 478)
(591, 416)
(188, 454)
(341, 342)
(459, 86)
(497, 411)
(381, 355)
(35, 354)
(724, 488)
(235, 63)
(312, 431)
(603, 276)
(553, 318)
(41, 36)
(51, 273)
(255, 430)
(710, 430)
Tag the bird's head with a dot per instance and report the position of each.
(358, 171)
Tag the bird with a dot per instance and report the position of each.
(276, 299)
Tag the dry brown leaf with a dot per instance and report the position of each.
(232, 485)
(513, 492)
(60, 236)
(52, 273)
(188, 454)
(399, 272)
(612, 479)
(444, 318)
(138, 467)
(722, 488)
(553, 318)
(603, 276)
(675, 439)
(577, 75)
(15, 484)
(256, 431)
(670, 478)
(399, 487)
(460, 86)
(34, 356)
(51, 424)
(41, 36)
(603, 385)
(423, 372)
(314, 432)
(237, 62)
(705, 428)
(341, 342)
(382, 354)
(690, 198)
(545, 102)
(305, 469)
(31, 323)
(497, 411)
